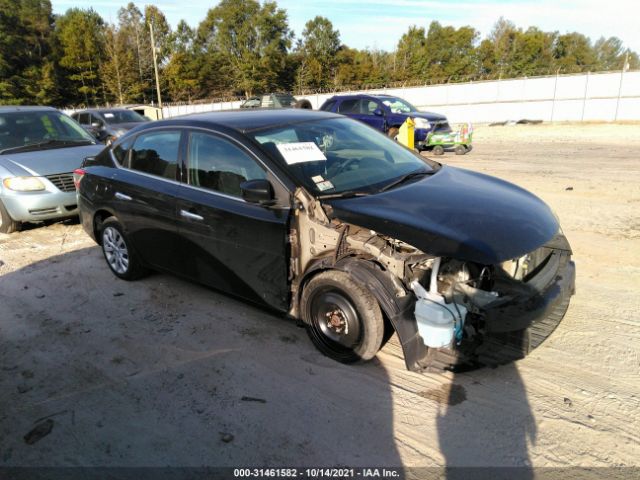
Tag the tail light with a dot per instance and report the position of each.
(78, 173)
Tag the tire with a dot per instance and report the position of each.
(304, 103)
(358, 330)
(438, 150)
(460, 150)
(7, 224)
(393, 133)
(122, 260)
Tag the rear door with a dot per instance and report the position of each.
(362, 109)
(144, 195)
(225, 242)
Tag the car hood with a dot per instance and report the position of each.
(431, 116)
(47, 162)
(455, 213)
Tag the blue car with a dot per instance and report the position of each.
(386, 113)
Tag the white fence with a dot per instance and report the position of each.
(609, 96)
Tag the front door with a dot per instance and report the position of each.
(225, 242)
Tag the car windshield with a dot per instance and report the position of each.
(340, 156)
(122, 116)
(397, 105)
(284, 99)
(40, 130)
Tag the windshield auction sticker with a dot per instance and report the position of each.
(300, 152)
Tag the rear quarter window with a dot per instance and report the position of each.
(328, 106)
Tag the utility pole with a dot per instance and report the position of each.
(155, 65)
(625, 66)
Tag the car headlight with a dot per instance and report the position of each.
(422, 123)
(24, 184)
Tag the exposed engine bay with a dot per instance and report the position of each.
(461, 308)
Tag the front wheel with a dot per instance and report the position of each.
(343, 319)
(438, 150)
(7, 224)
(120, 257)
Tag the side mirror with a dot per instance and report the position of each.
(257, 191)
(89, 161)
(378, 113)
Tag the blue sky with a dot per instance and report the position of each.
(380, 23)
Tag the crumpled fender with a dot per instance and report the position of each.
(399, 310)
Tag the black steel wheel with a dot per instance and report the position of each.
(460, 150)
(343, 319)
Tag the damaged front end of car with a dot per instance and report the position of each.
(448, 313)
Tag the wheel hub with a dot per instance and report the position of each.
(337, 322)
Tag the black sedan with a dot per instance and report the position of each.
(332, 223)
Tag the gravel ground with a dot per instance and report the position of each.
(97, 371)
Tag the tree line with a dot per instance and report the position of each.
(244, 47)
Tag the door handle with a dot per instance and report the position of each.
(191, 216)
(122, 196)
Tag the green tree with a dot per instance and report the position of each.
(449, 52)
(409, 54)
(80, 33)
(131, 26)
(318, 47)
(182, 72)
(252, 39)
(573, 53)
(27, 73)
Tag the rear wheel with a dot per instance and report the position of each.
(343, 319)
(393, 133)
(304, 103)
(120, 257)
(460, 150)
(7, 224)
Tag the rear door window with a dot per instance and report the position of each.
(156, 153)
(219, 165)
(83, 119)
(349, 106)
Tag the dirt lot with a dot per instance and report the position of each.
(162, 372)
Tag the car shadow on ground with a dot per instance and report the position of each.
(488, 436)
(162, 372)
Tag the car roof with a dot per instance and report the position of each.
(362, 95)
(25, 108)
(100, 110)
(248, 120)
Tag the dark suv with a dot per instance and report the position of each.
(107, 124)
(387, 113)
